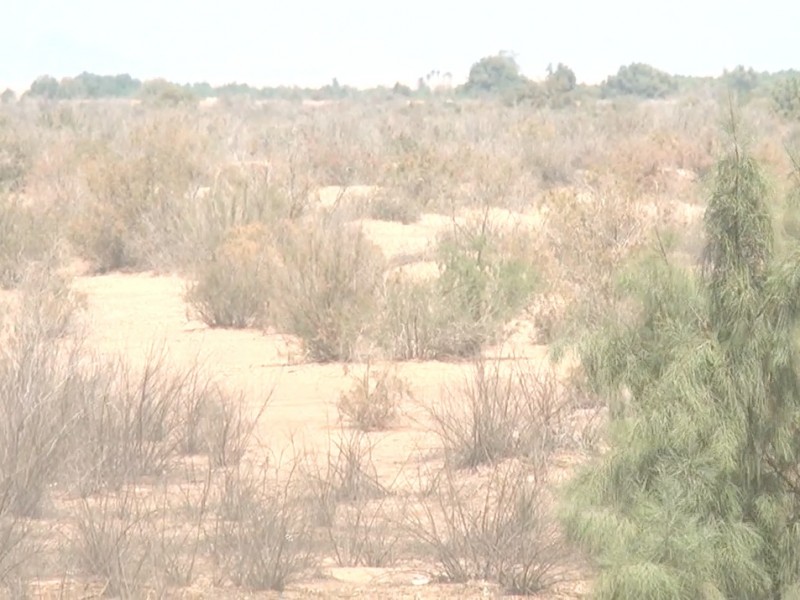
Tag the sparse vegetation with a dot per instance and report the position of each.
(460, 229)
(373, 400)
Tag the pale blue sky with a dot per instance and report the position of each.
(364, 42)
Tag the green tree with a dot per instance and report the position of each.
(561, 80)
(8, 96)
(491, 74)
(161, 91)
(741, 81)
(639, 79)
(699, 493)
(786, 97)
(45, 87)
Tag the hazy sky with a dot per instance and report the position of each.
(368, 42)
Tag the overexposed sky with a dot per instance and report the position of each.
(370, 42)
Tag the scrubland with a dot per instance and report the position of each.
(262, 347)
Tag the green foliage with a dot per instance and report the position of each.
(485, 283)
(492, 74)
(485, 278)
(786, 97)
(697, 496)
(639, 79)
(163, 92)
(8, 96)
(742, 82)
(85, 85)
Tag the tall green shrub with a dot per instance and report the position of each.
(699, 493)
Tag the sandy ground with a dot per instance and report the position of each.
(134, 313)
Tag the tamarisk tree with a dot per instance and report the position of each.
(698, 493)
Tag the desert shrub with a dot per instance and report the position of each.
(26, 235)
(108, 542)
(393, 208)
(134, 193)
(347, 475)
(38, 373)
(480, 277)
(372, 401)
(261, 533)
(16, 153)
(227, 427)
(327, 287)
(233, 288)
(497, 530)
(347, 501)
(501, 411)
(485, 279)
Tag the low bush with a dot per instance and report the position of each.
(497, 530)
(261, 534)
(503, 410)
(327, 287)
(372, 401)
(485, 278)
(234, 287)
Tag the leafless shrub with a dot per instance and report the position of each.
(261, 536)
(108, 541)
(16, 545)
(348, 502)
(134, 191)
(347, 475)
(503, 410)
(129, 422)
(228, 427)
(177, 533)
(498, 530)
(38, 373)
(372, 401)
(362, 534)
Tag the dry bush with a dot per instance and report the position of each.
(177, 533)
(349, 503)
(497, 530)
(363, 534)
(27, 234)
(16, 151)
(135, 189)
(374, 398)
(387, 206)
(38, 373)
(347, 475)
(588, 235)
(109, 544)
(129, 422)
(261, 534)
(228, 426)
(327, 287)
(503, 410)
(17, 547)
(485, 279)
(233, 288)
